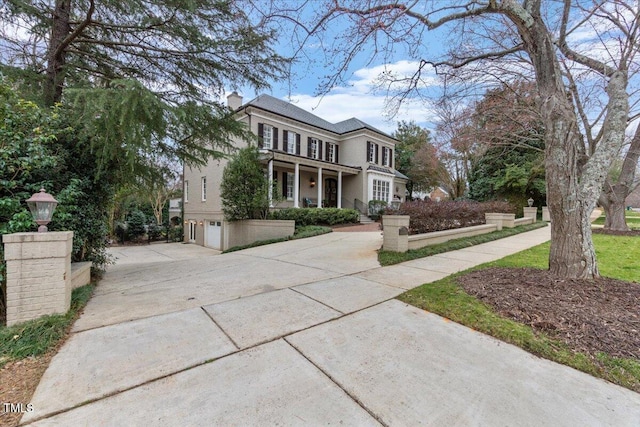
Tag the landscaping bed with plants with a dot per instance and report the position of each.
(26, 350)
(315, 216)
(427, 216)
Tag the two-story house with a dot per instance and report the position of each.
(315, 163)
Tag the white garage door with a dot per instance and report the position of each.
(213, 234)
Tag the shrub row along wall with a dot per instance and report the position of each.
(427, 216)
(396, 239)
(315, 216)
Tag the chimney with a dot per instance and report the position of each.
(234, 101)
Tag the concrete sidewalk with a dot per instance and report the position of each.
(304, 333)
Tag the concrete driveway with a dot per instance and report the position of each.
(301, 333)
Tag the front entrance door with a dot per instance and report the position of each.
(192, 231)
(331, 193)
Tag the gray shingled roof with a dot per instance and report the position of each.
(286, 109)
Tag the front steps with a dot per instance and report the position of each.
(365, 219)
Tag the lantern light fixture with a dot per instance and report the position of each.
(42, 205)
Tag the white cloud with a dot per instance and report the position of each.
(360, 99)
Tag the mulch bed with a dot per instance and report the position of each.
(616, 233)
(591, 316)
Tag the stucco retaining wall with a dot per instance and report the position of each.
(239, 233)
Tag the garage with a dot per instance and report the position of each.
(214, 231)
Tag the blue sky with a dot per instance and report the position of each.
(358, 98)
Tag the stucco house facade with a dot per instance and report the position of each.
(315, 163)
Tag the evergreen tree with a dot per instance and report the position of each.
(244, 187)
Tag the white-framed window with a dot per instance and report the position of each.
(203, 188)
(386, 156)
(186, 191)
(331, 149)
(371, 152)
(381, 190)
(290, 183)
(267, 137)
(291, 142)
(314, 147)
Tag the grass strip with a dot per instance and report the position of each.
(390, 258)
(36, 337)
(445, 298)
(300, 233)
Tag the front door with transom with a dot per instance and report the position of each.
(330, 193)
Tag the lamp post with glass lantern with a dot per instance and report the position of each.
(42, 205)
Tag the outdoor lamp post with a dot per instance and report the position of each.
(42, 205)
(530, 202)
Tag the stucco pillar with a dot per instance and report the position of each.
(296, 185)
(339, 189)
(501, 220)
(319, 187)
(531, 212)
(395, 235)
(546, 216)
(38, 274)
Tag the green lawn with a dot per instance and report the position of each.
(633, 219)
(616, 256)
(389, 258)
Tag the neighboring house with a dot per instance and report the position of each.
(175, 210)
(438, 194)
(315, 163)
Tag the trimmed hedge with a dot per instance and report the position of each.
(315, 216)
(428, 216)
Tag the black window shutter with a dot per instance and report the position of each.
(284, 184)
(376, 148)
(298, 144)
(319, 151)
(285, 140)
(309, 147)
(337, 151)
(275, 138)
(260, 135)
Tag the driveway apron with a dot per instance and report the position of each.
(304, 332)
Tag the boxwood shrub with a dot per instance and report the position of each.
(315, 216)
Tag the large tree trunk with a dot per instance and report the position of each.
(612, 201)
(56, 58)
(572, 254)
(614, 195)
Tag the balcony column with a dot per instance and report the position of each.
(339, 189)
(296, 186)
(319, 187)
